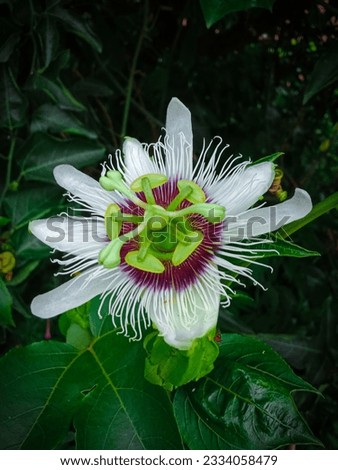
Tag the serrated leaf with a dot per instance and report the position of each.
(33, 203)
(324, 74)
(43, 153)
(76, 26)
(215, 10)
(56, 91)
(50, 118)
(46, 385)
(13, 103)
(245, 402)
(6, 302)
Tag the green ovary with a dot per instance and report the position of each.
(163, 233)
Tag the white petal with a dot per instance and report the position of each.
(179, 140)
(72, 294)
(136, 160)
(79, 236)
(239, 192)
(256, 222)
(184, 316)
(83, 187)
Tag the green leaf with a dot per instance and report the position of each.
(296, 350)
(50, 118)
(93, 87)
(33, 203)
(45, 386)
(13, 103)
(281, 247)
(9, 37)
(215, 10)
(43, 153)
(76, 26)
(318, 210)
(6, 302)
(4, 221)
(56, 91)
(8, 46)
(60, 62)
(28, 247)
(78, 315)
(48, 36)
(324, 74)
(40, 386)
(23, 273)
(96, 323)
(269, 158)
(245, 402)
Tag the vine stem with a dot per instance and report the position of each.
(9, 169)
(133, 70)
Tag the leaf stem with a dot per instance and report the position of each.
(9, 169)
(133, 70)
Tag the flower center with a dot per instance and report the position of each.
(161, 233)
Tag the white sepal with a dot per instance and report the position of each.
(256, 222)
(136, 160)
(241, 190)
(71, 294)
(178, 141)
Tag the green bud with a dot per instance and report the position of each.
(170, 367)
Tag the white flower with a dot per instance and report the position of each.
(163, 242)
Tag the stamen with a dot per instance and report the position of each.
(147, 190)
(110, 255)
(189, 191)
(112, 224)
(167, 234)
(144, 247)
(181, 196)
(114, 182)
(214, 213)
